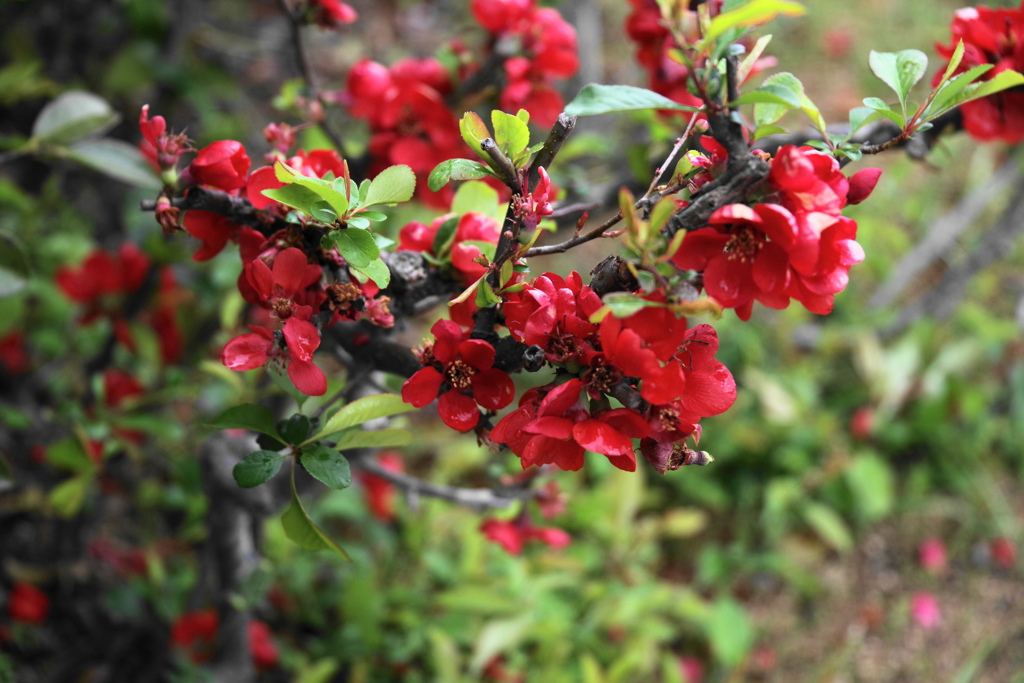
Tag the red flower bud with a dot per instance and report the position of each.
(222, 164)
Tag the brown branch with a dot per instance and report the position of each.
(556, 138)
(238, 209)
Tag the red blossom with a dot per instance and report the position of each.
(990, 36)
(222, 164)
(27, 604)
(282, 287)
(195, 633)
(379, 492)
(14, 358)
(512, 535)
(212, 229)
(261, 646)
(462, 371)
(254, 350)
(924, 608)
(104, 273)
(333, 13)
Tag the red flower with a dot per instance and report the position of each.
(251, 351)
(924, 608)
(554, 313)
(334, 13)
(1004, 553)
(27, 604)
(212, 229)
(513, 535)
(261, 646)
(379, 492)
(499, 16)
(104, 274)
(465, 367)
(196, 633)
(14, 359)
(932, 556)
(990, 36)
(222, 164)
(282, 287)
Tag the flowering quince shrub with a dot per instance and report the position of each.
(456, 200)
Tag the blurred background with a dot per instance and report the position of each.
(860, 522)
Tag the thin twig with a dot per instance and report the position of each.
(308, 72)
(477, 499)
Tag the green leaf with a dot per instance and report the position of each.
(357, 246)
(498, 636)
(327, 465)
(862, 116)
(307, 535)
(607, 99)
(377, 271)
(116, 159)
(381, 438)
(68, 496)
(456, 169)
(883, 109)
(828, 525)
(765, 131)
(257, 468)
(358, 223)
(323, 212)
(871, 480)
(1001, 81)
(321, 188)
(729, 632)
(474, 131)
(73, 116)
(899, 70)
(361, 410)
(373, 216)
(789, 92)
(625, 304)
(478, 197)
(247, 416)
(393, 184)
(295, 196)
(486, 296)
(954, 87)
(753, 13)
(445, 235)
(295, 429)
(512, 135)
(954, 62)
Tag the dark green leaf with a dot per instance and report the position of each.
(607, 99)
(301, 529)
(444, 236)
(357, 246)
(323, 212)
(327, 465)
(295, 429)
(248, 416)
(257, 468)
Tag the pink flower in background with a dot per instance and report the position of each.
(932, 556)
(924, 608)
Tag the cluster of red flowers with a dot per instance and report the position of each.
(277, 276)
(990, 36)
(462, 252)
(547, 51)
(195, 634)
(794, 244)
(655, 43)
(651, 354)
(103, 283)
(410, 122)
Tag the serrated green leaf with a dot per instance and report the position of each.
(372, 216)
(73, 116)
(358, 223)
(247, 416)
(596, 99)
(377, 271)
(321, 188)
(323, 212)
(512, 135)
(357, 246)
(381, 438)
(787, 88)
(116, 159)
(861, 116)
(257, 468)
(753, 13)
(1003, 80)
(899, 70)
(327, 466)
(474, 131)
(361, 410)
(456, 169)
(954, 62)
(954, 87)
(294, 196)
(307, 535)
(393, 184)
(883, 109)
